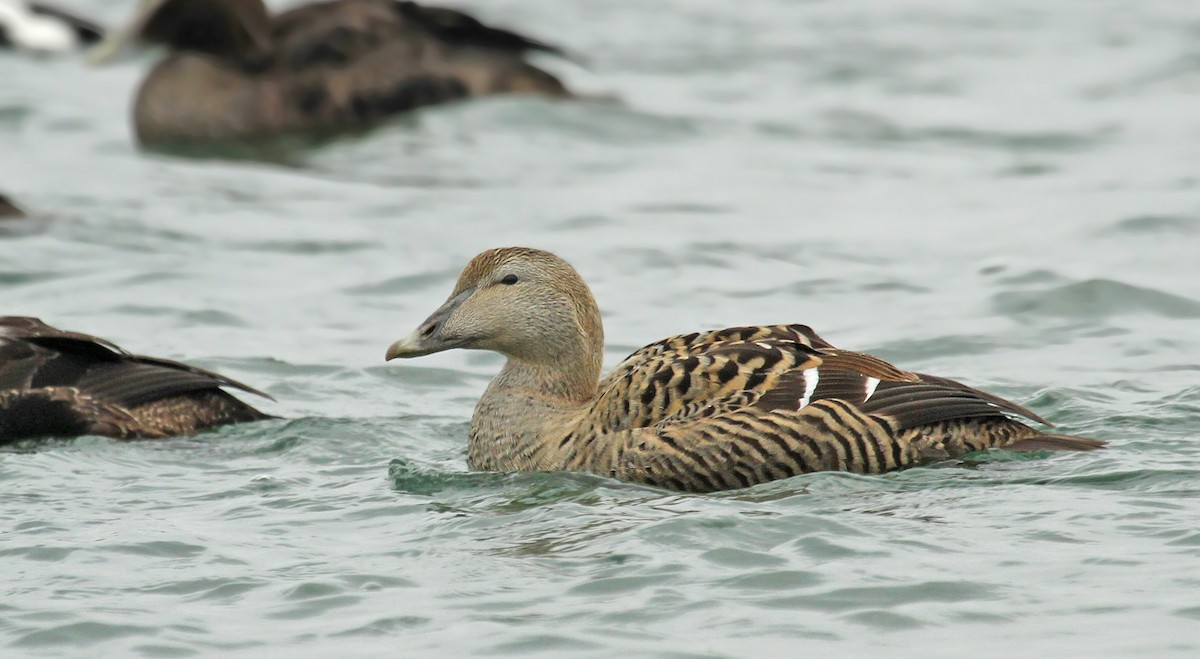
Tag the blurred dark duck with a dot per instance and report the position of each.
(39, 28)
(55, 383)
(236, 73)
(9, 210)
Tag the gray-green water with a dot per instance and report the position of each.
(1005, 193)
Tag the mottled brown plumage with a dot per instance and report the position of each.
(55, 383)
(236, 73)
(699, 412)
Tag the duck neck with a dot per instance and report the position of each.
(529, 403)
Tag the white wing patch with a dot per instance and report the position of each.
(810, 385)
(871, 384)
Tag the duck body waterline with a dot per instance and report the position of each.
(56, 383)
(699, 412)
(235, 73)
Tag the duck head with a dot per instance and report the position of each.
(524, 303)
(238, 30)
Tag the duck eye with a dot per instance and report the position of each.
(509, 280)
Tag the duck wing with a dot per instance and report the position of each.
(736, 407)
(459, 28)
(701, 374)
(340, 32)
(874, 386)
(355, 62)
(75, 380)
(335, 34)
(774, 367)
(708, 372)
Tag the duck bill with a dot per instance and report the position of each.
(431, 335)
(118, 46)
(409, 346)
(121, 45)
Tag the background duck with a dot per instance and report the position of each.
(699, 412)
(55, 383)
(40, 28)
(235, 72)
(9, 210)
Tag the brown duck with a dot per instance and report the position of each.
(55, 383)
(699, 412)
(236, 73)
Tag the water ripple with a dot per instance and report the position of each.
(1095, 298)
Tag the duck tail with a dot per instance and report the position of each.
(1056, 442)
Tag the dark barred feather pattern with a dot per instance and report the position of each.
(699, 412)
(63, 384)
(740, 406)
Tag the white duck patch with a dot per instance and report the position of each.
(810, 386)
(872, 383)
(30, 31)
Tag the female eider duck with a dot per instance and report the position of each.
(39, 28)
(699, 412)
(55, 383)
(236, 73)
